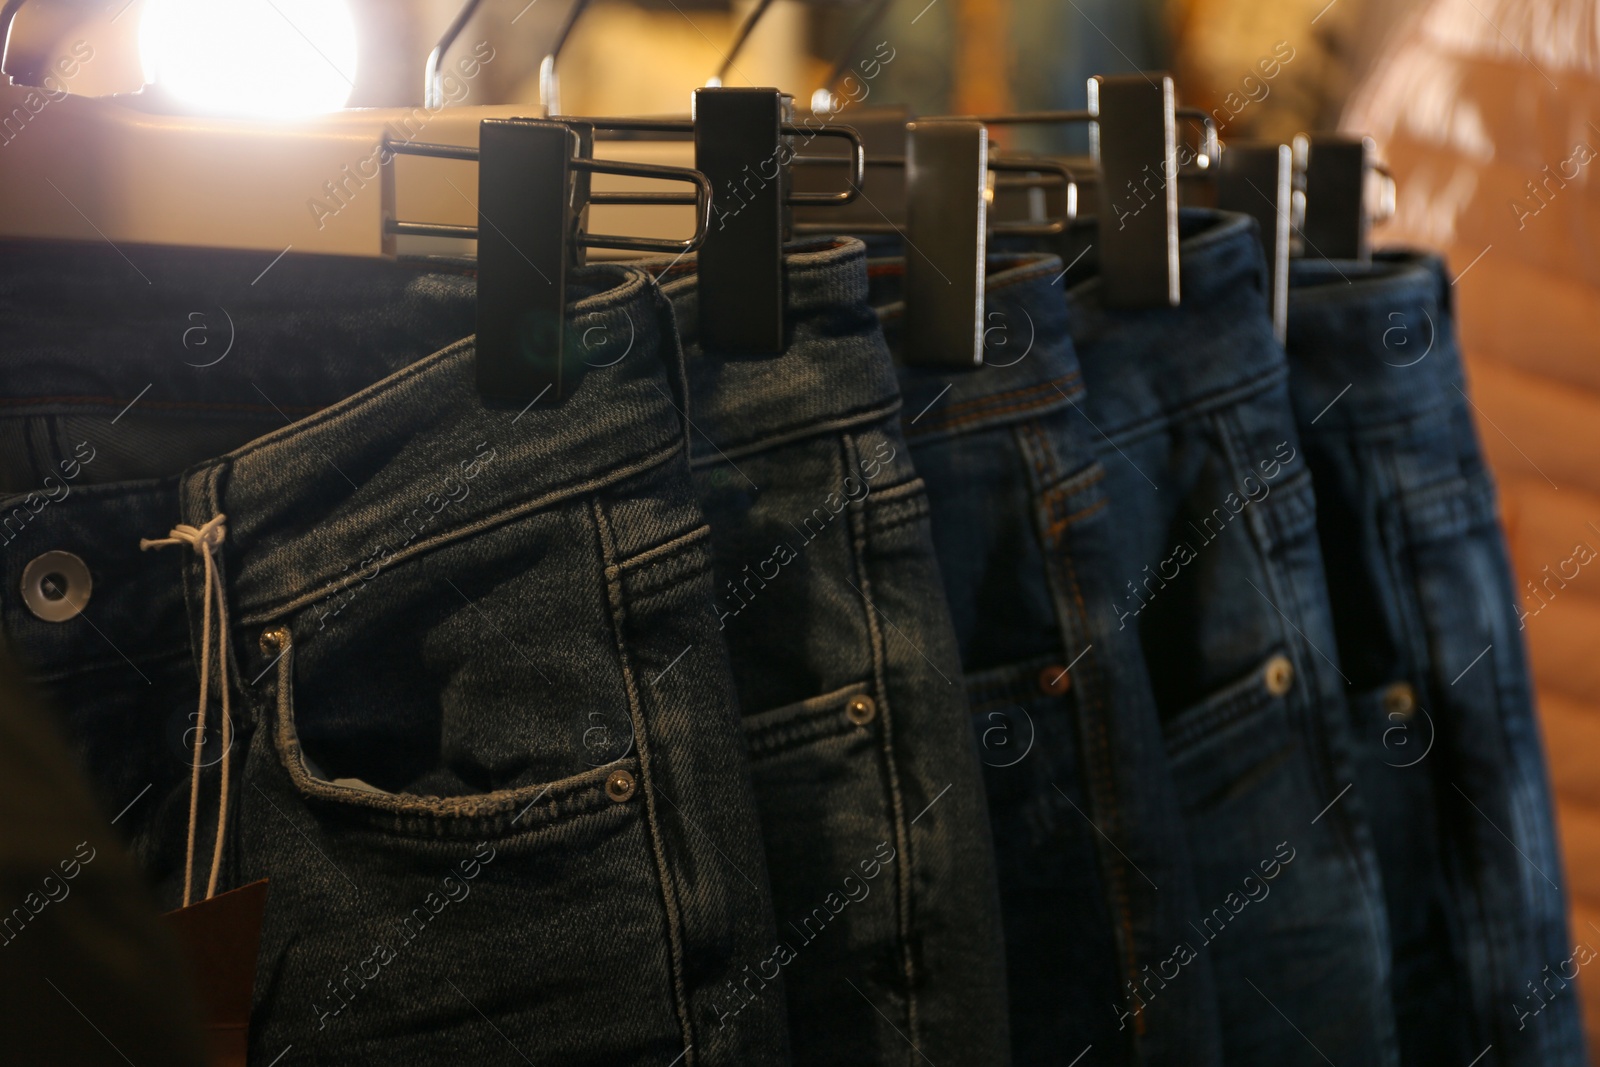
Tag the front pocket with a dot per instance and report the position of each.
(827, 816)
(396, 923)
(493, 814)
(1024, 717)
(1222, 745)
(847, 712)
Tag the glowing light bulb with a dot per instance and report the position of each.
(264, 58)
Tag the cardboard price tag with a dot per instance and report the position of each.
(220, 938)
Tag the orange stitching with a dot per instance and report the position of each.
(991, 398)
(1059, 526)
(982, 407)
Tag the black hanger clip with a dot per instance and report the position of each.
(1134, 139)
(1332, 174)
(744, 148)
(739, 146)
(947, 199)
(1256, 179)
(532, 199)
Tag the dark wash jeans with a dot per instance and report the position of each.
(1220, 571)
(1096, 879)
(1424, 608)
(497, 782)
(866, 776)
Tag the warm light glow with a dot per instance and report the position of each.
(268, 58)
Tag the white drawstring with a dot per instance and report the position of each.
(207, 542)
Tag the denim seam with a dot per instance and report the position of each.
(353, 403)
(1315, 727)
(1399, 556)
(1381, 432)
(670, 903)
(1164, 418)
(273, 608)
(847, 458)
(1010, 683)
(1267, 543)
(851, 420)
(1059, 571)
(969, 411)
(803, 723)
(1070, 486)
(165, 405)
(1058, 527)
(1408, 579)
(1238, 701)
(677, 544)
(901, 505)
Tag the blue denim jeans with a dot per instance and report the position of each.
(1426, 618)
(1096, 877)
(1219, 571)
(494, 772)
(866, 775)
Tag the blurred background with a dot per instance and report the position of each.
(948, 56)
(1484, 109)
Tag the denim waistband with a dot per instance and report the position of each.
(820, 383)
(1361, 336)
(1148, 366)
(355, 384)
(1029, 365)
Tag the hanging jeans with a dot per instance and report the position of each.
(1096, 879)
(487, 754)
(1219, 572)
(866, 774)
(1426, 617)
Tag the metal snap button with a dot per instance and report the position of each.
(56, 586)
(1054, 680)
(1400, 700)
(619, 785)
(1278, 675)
(861, 710)
(274, 639)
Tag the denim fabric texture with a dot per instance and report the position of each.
(1096, 880)
(866, 775)
(496, 778)
(1425, 611)
(1220, 572)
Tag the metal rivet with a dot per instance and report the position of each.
(56, 586)
(1278, 675)
(1400, 700)
(619, 786)
(274, 640)
(1054, 680)
(861, 710)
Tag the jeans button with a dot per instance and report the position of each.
(56, 586)
(1400, 700)
(1278, 675)
(1054, 680)
(619, 785)
(274, 639)
(861, 710)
